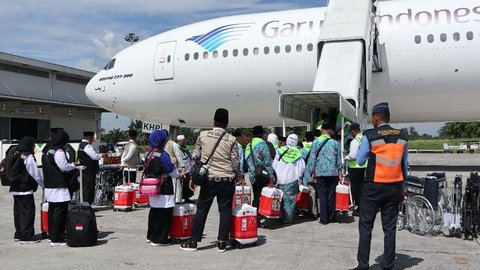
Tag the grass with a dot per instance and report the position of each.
(436, 144)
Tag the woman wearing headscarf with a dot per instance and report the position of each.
(161, 206)
(289, 165)
(57, 172)
(27, 179)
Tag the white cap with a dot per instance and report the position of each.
(180, 137)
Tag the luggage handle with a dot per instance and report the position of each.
(81, 168)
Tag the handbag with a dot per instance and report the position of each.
(200, 169)
(150, 185)
(261, 174)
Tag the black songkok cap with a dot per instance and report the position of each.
(355, 126)
(326, 126)
(258, 130)
(88, 134)
(237, 133)
(221, 116)
(381, 108)
(132, 133)
(282, 139)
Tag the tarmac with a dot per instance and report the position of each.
(304, 245)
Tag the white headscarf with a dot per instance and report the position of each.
(273, 138)
(292, 140)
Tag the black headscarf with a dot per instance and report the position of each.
(26, 144)
(58, 140)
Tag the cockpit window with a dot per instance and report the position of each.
(110, 64)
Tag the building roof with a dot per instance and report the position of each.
(32, 80)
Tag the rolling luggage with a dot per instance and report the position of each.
(270, 202)
(303, 199)
(123, 197)
(44, 218)
(243, 230)
(81, 223)
(182, 221)
(343, 197)
(243, 194)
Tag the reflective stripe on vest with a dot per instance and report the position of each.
(388, 160)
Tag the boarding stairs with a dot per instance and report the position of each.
(347, 56)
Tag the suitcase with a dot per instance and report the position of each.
(270, 202)
(182, 220)
(81, 226)
(303, 199)
(44, 219)
(243, 194)
(243, 230)
(139, 199)
(343, 197)
(123, 197)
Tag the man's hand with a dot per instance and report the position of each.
(192, 186)
(240, 181)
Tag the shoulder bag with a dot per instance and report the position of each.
(200, 169)
(261, 174)
(150, 185)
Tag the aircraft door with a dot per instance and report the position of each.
(163, 68)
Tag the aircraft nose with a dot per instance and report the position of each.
(94, 91)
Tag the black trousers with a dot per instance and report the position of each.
(186, 191)
(57, 220)
(385, 197)
(224, 192)
(326, 194)
(159, 222)
(24, 217)
(257, 193)
(357, 176)
(129, 176)
(89, 181)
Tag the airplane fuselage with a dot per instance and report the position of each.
(430, 52)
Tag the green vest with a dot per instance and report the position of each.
(254, 142)
(353, 163)
(292, 154)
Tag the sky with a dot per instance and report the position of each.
(86, 34)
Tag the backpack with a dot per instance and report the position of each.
(7, 165)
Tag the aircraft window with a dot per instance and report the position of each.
(187, 56)
(169, 58)
(276, 49)
(195, 56)
(245, 51)
(299, 47)
(225, 53)
(288, 48)
(469, 35)
(215, 54)
(443, 37)
(310, 47)
(205, 55)
(110, 64)
(235, 52)
(255, 51)
(418, 39)
(430, 38)
(266, 50)
(456, 36)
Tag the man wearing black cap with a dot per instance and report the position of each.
(257, 154)
(356, 172)
(386, 149)
(223, 171)
(89, 158)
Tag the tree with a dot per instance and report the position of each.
(137, 125)
(460, 130)
(115, 135)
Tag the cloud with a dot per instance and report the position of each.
(87, 64)
(108, 45)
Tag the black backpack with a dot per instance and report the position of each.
(7, 165)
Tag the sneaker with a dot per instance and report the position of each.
(189, 245)
(148, 241)
(16, 239)
(57, 244)
(161, 244)
(222, 247)
(33, 241)
(356, 213)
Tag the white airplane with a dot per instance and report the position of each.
(430, 53)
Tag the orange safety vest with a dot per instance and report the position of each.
(387, 146)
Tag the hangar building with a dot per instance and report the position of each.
(36, 96)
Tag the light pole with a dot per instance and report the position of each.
(131, 37)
